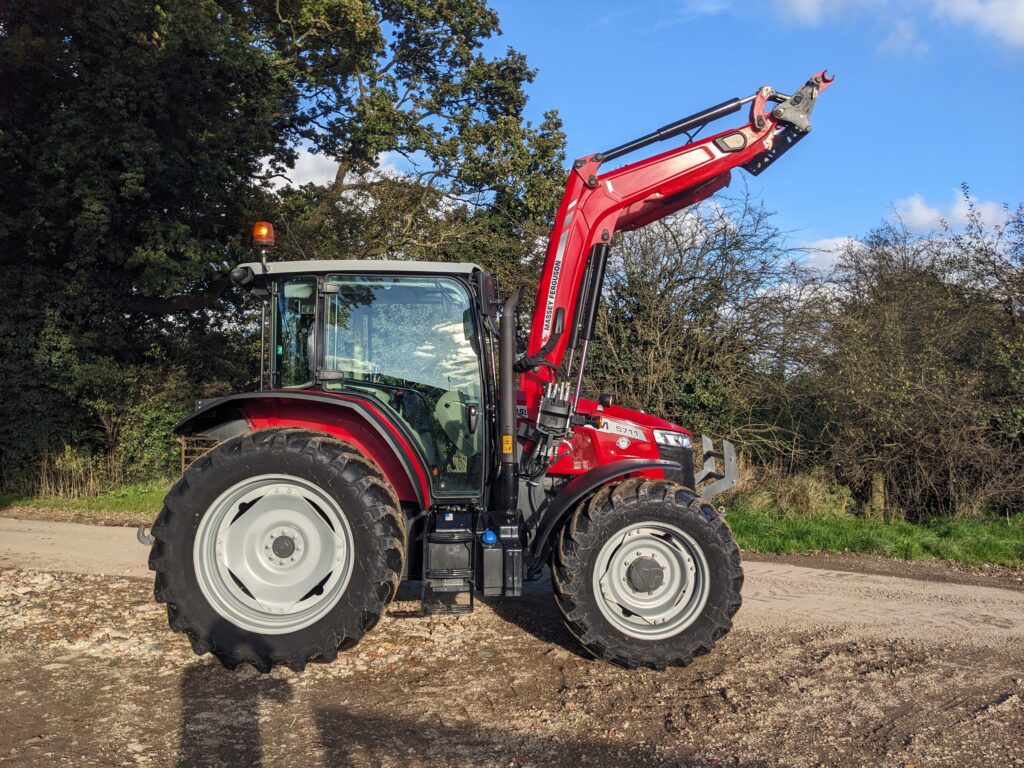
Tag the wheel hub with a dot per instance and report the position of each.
(645, 574)
(284, 546)
(652, 580)
(273, 554)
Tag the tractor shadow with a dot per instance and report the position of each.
(350, 739)
(220, 713)
(222, 724)
(534, 612)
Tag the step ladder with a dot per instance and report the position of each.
(449, 546)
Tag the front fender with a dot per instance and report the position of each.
(559, 508)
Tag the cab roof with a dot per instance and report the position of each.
(320, 266)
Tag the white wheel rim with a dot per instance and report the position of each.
(273, 554)
(651, 580)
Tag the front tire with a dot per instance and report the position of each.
(646, 574)
(278, 547)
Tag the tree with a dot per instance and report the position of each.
(388, 214)
(917, 376)
(696, 322)
(405, 77)
(129, 133)
(134, 142)
(408, 80)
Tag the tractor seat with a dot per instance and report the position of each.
(413, 409)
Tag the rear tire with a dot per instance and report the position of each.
(240, 593)
(646, 574)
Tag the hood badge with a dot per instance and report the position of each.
(623, 443)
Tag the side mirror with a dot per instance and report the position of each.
(487, 293)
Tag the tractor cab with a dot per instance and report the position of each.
(407, 336)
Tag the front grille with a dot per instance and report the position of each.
(682, 456)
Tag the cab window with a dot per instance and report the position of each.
(294, 325)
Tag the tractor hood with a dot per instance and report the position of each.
(646, 421)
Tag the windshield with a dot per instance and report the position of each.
(403, 330)
(410, 343)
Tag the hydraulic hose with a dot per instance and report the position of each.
(674, 129)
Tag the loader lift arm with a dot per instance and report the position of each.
(595, 205)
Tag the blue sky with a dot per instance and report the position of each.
(929, 93)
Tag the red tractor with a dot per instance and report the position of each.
(403, 436)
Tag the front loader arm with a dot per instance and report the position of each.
(595, 205)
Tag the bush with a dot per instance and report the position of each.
(146, 448)
(776, 493)
(70, 474)
(910, 388)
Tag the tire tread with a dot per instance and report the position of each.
(580, 537)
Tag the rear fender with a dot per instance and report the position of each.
(581, 486)
(353, 419)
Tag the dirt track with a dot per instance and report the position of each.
(824, 667)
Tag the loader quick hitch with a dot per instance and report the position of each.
(793, 113)
(796, 109)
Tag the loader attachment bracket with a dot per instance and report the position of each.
(793, 113)
(781, 145)
(796, 110)
(723, 480)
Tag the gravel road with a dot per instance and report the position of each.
(824, 667)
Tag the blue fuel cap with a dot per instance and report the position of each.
(489, 537)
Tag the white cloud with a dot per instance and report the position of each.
(706, 7)
(391, 164)
(615, 18)
(903, 38)
(309, 168)
(1003, 19)
(919, 215)
(318, 169)
(812, 11)
(321, 169)
(821, 255)
(688, 10)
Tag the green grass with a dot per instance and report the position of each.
(989, 540)
(129, 504)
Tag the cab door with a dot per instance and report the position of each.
(411, 342)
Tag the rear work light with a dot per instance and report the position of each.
(263, 233)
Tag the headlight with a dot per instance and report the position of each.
(674, 439)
